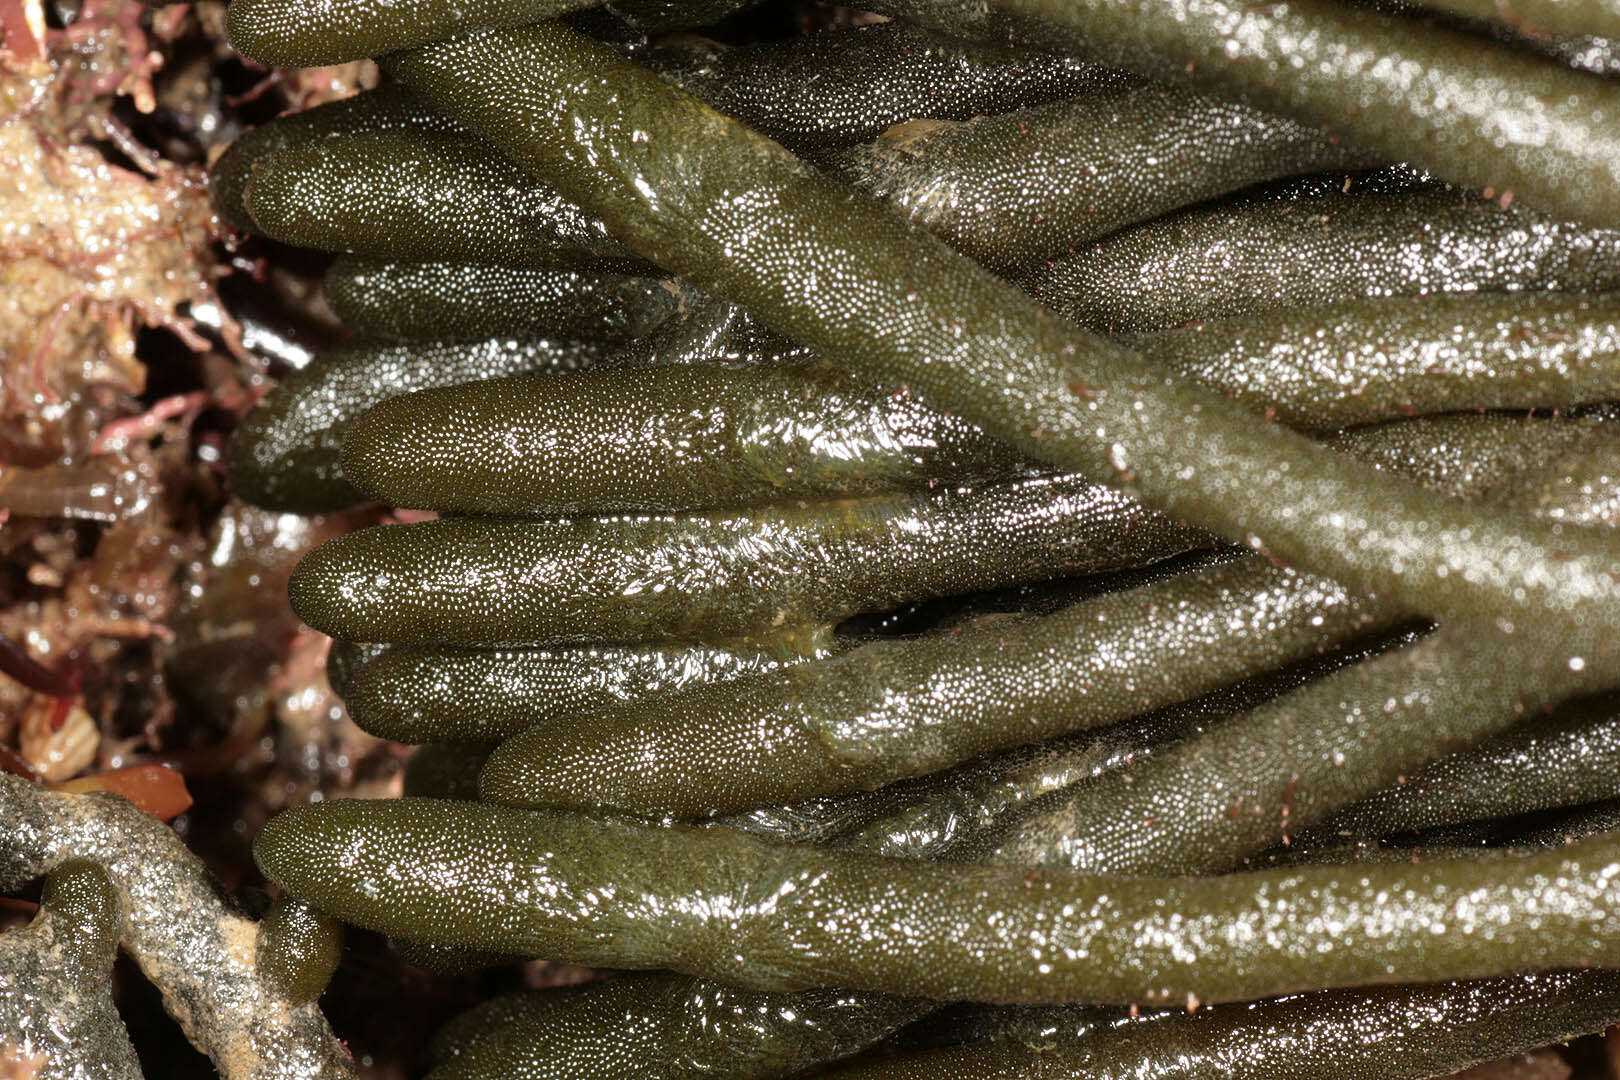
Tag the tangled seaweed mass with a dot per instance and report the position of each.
(1065, 538)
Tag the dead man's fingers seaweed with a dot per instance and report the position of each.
(1362, 361)
(446, 301)
(1386, 1033)
(1286, 254)
(1463, 107)
(1583, 18)
(694, 1028)
(176, 923)
(1207, 803)
(1527, 607)
(285, 453)
(724, 905)
(387, 108)
(840, 87)
(691, 1027)
(1213, 800)
(721, 205)
(679, 437)
(421, 195)
(685, 1028)
(889, 710)
(298, 949)
(288, 33)
(1475, 455)
(771, 576)
(700, 436)
(57, 1015)
(1568, 757)
(1024, 186)
(419, 694)
(428, 694)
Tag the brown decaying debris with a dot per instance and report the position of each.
(145, 610)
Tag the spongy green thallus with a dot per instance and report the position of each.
(806, 404)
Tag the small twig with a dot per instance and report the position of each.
(256, 91)
(175, 325)
(144, 157)
(135, 628)
(33, 674)
(121, 432)
(36, 362)
(13, 762)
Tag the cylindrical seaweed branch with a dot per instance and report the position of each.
(727, 906)
(1393, 1033)
(704, 196)
(1468, 110)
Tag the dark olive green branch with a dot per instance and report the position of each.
(706, 197)
(1468, 110)
(721, 904)
(896, 709)
(1394, 1033)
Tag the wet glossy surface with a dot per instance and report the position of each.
(176, 925)
(1217, 262)
(293, 34)
(779, 574)
(1014, 189)
(1569, 757)
(1211, 801)
(724, 905)
(841, 87)
(761, 228)
(1314, 281)
(687, 1028)
(1204, 805)
(387, 108)
(427, 694)
(418, 194)
(695, 1027)
(299, 948)
(56, 1006)
(285, 455)
(895, 709)
(1482, 117)
(1574, 18)
(1359, 362)
(1334, 1035)
(678, 437)
(433, 301)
